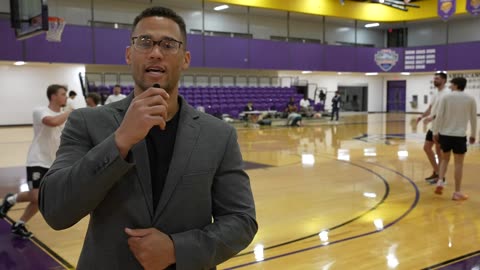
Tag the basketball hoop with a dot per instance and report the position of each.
(55, 29)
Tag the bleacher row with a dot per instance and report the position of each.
(231, 100)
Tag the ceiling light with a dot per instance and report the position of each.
(222, 7)
(19, 63)
(369, 25)
(381, 1)
(405, 73)
(371, 73)
(306, 72)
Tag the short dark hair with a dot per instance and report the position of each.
(53, 89)
(95, 97)
(441, 74)
(72, 93)
(166, 13)
(460, 82)
(118, 85)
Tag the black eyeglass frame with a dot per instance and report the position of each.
(159, 42)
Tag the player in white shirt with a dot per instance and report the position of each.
(305, 107)
(455, 111)
(439, 81)
(117, 95)
(48, 123)
(74, 101)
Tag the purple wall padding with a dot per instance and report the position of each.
(75, 47)
(463, 56)
(267, 54)
(226, 52)
(110, 45)
(306, 56)
(195, 46)
(10, 48)
(339, 58)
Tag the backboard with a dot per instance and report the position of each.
(28, 17)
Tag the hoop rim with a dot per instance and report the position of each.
(55, 19)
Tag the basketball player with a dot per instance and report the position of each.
(47, 127)
(455, 110)
(439, 82)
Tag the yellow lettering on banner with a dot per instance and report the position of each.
(351, 9)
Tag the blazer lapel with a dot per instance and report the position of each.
(140, 155)
(187, 135)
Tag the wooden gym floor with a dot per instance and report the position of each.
(339, 195)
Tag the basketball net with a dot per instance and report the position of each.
(55, 29)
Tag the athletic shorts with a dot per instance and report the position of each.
(451, 143)
(429, 136)
(35, 175)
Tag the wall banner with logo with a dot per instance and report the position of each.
(473, 7)
(446, 8)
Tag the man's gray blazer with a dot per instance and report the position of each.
(206, 204)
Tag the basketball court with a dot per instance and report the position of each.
(328, 196)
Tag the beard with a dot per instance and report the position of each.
(167, 86)
(437, 84)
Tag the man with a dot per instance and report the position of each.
(48, 123)
(305, 108)
(163, 184)
(455, 111)
(116, 96)
(73, 102)
(336, 100)
(322, 97)
(439, 81)
(93, 99)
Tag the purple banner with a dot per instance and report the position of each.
(473, 7)
(446, 8)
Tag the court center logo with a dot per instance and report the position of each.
(386, 59)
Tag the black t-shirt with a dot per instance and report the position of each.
(160, 145)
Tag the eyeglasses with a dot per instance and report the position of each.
(145, 44)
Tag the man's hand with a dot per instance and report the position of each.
(419, 119)
(428, 120)
(146, 110)
(472, 140)
(436, 138)
(152, 248)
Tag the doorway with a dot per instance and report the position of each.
(396, 96)
(354, 98)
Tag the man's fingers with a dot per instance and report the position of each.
(138, 232)
(152, 91)
(155, 100)
(158, 110)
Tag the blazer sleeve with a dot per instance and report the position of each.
(233, 210)
(81, 175)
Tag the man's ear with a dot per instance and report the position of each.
(128, 52)
(186, 60)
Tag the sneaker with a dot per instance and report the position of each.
(432, 179)
(440, 186)
(5, 207)
(20, 230)
(457, 196)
